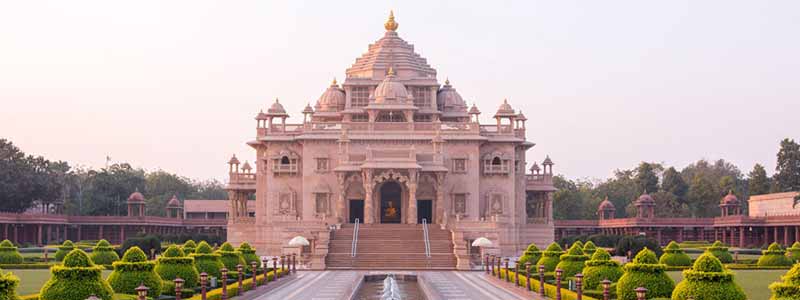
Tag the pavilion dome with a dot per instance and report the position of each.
(645, 199)
(136, 197)
(333, 99)
(450, 99)
(390, 90)
(730, 199)
(606, 205)
(276, 109)
(174, 202)
(474, 110)
(505, 110)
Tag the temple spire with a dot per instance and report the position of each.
(390, 24)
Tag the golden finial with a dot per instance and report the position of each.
(390, 24)
(390, 72)
(447, 81)
(334, 81)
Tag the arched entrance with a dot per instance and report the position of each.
(390, 195)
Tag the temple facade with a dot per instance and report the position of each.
(390, 145)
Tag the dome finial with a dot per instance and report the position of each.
(334, 81)
(390, 24)
(447, 81)
(391, 71)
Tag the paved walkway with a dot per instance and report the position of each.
(465, 286)
(315, 285)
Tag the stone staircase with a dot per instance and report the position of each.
(391, 247)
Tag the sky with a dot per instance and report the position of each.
(174, 85)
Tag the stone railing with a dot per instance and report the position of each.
(390, 127)
(242, 178)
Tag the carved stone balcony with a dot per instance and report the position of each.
(539, 183)
(242, 181)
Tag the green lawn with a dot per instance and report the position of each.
(754, 282)
(31, 281)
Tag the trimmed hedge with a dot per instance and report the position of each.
(721, 252)
(77, 278)
(532, 254)
(133, 270)
(644, 271)
(674, 256)
(549, 289)
(635, 244)
(573, 261)
(708, 280)
(550, 257)
(247, 284)
(9, 254)
(249, 256)
(589, 248)
(189, 246)
(8, 286)
(64, 249)
(774, 256)
(600, 267)
(174, 264)
(28, 266)
(103, 253)
(794, 251)
(789, 288)
(205, 260)
(230, 257)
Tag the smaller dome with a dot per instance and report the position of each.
(521, 116)
(233, 160)
(390, 90)
(136, 197)
(246, 166)
(276, 109)
(730, 199)
(547, 161)
(645, 199)
(174, 202)
(474, 110)
(505, 110)
(261, 115)
(450, 99)
(606, 205)
(333, 99)
(308, 109)
(535, 168)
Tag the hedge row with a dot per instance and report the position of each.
(549, 289)
(247, 284)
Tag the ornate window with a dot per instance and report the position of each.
(285, 162)
(322, 164)
(359, 96)
(321, 205)
(496, 163)
(459, 165)
(422, 96)
(286, 202)
(360, 118)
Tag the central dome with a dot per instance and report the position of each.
(390, 90)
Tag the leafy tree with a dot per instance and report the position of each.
(107, 190)
(758, 182)
(787, 175)
(669, 206)
(674, 184)
(646, 177)
(702, 197)
(27, 180)
(160, 186)
(573, 200)
(726, 184)
(621, 190)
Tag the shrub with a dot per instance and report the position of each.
(173, 264)
(789, 288)
(65, 248)
(577, 242)
(600, 267)
(205, 260)
(644, 271)
(721, 252)
(148, 244)
(103, 253)
(247, 284)
(133, 270)
(589, 248)
(708, 280)
(550, 257)
(230, 257)
(8, 285)
(635, 244)
(77, 278)
(9, 254)
(188, 247)
(249, 255)
(774, 256)
(674, 256)
(531, 254)
(573, 261)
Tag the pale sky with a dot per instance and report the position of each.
(605, 84)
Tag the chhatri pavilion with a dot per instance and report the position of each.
(390, 148)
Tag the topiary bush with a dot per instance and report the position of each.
(708, 280)
(573, 261)
(9, 254)
(189, 246)
(644, 271)
(789, 288)
(149, 244)
(230, 257)
(550, 257)
(103, 253)
(8, 286)
(635, 244)
(774, 256)
(134, 269)
(721, 252)
(532, 254)
(794, 251)
(577, 242)
(173, 264)
(600, 267)
(674, 256)
(249, 255)
(589, 248)
(205, 260)
(65, 248)
(78, 278)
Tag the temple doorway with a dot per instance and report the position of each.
(356, 210)
(391, 193)
(425, 211)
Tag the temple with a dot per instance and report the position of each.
(390, 148)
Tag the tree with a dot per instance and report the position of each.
(620, 190)
(758, 182)
(702, 197)
(572, 200)
(646, 177)
(726, 184)
(669, 206)
(106, 191)
(674, 184)
(160, 186)
(27, 180)
(787, 171)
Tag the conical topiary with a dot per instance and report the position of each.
(577, 242)
(794, 251)
(674, 256)
(9, 254)
(774, 256)
(8, 286)
(531, 254)
(134, 269)
(789, 288)
(589, 248)
(708, 280)
(573, 261)
(599, 268)
(249, 255)
(644, 271)
(189, 246)
(721, 252)
(230, 257)
(205, 260)
(173, 264)
(78, 278)
(550, 257)
(103, 253)
(65, 248)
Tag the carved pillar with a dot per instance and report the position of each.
(368, 186)
(232, 209)
(412, 197)
(441, 217)
(340, 201)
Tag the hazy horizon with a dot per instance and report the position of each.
(175, 85)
